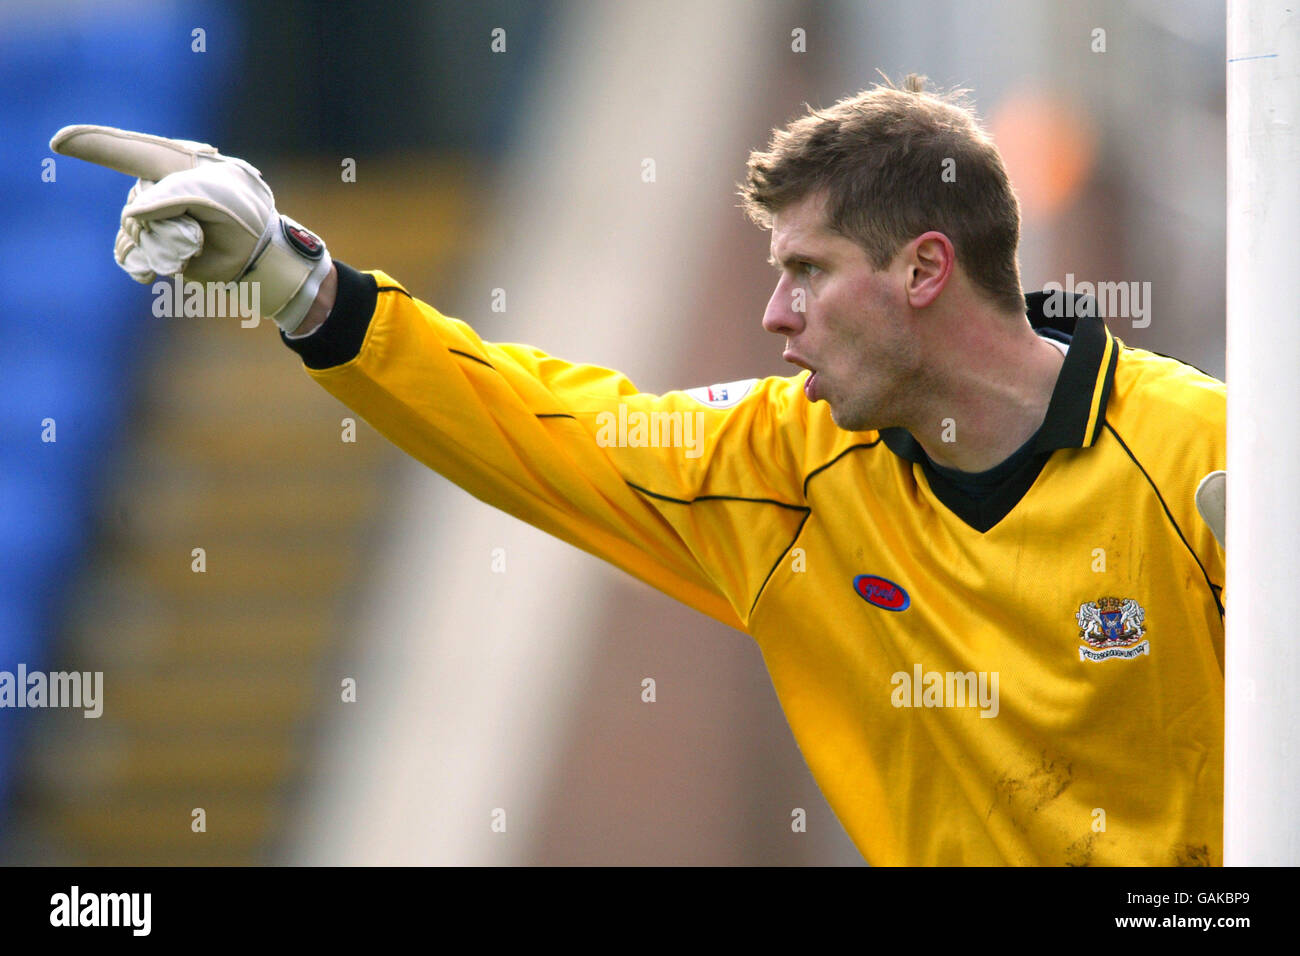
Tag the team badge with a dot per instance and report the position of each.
(1112, 627)
(724, 395)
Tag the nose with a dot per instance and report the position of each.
(781, 317)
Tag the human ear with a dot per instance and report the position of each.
(931, 258)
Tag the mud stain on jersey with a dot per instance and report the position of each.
(1079, 853)
(1033, 790)
(1191, 854)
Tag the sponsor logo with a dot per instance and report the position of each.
(1112, 627)
(722, 396)
(881, 592)
(302, 240)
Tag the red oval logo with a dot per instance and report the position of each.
(308, 245)
(881, 592)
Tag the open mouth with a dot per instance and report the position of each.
(810, 384)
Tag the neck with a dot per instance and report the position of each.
(988, 382)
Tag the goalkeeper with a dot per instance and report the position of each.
(964, 536)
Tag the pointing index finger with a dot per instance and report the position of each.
(135, 154)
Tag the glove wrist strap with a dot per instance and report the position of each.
(289, 270)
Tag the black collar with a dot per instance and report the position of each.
(1075, 414)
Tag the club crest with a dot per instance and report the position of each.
(1112, 627)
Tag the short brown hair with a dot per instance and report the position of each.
(881, 156)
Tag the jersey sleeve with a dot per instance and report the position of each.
(698, 494)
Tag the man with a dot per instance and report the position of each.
(965, 540)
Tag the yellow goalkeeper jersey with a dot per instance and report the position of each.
(1034, 677)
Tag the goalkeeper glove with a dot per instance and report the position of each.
(208, 216)
(1211, 502)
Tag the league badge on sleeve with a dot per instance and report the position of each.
(724, 395)
(1112, 627)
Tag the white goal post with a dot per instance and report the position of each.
(1262, 596)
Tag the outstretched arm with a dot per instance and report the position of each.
(697, 493)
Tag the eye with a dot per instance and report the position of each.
(809, 269)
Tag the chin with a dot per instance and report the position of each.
(851, 420)
(843, 421)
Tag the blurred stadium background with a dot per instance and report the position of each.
(519, 170)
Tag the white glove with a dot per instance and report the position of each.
(1212, 503)
(208, 216)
